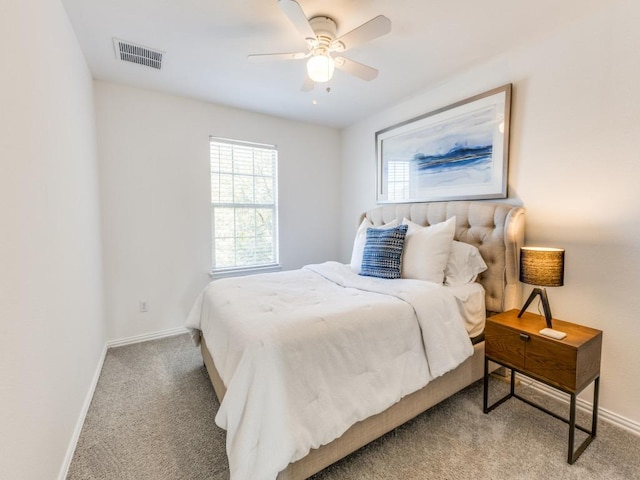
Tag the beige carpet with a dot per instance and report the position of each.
(153, 410)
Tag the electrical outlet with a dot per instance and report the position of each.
(144, 306)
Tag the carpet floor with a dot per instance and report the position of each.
(152, 417)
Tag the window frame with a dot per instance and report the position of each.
(250, 148)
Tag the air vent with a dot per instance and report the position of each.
(130, 52)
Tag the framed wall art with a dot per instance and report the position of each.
(459, 152)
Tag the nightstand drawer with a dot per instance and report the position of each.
(551, 361)
(504, 344)
(526, 351)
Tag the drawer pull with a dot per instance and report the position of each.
(524, 336)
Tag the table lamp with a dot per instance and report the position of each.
(542, 267)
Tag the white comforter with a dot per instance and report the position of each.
(305, 354)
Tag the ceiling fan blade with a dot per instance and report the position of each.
(293, 10)
(356, 69)
(374, 28)
(270, 57)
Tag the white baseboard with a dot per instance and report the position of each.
(83, 414)
(584, 405)
(64, 470)
(146, 337)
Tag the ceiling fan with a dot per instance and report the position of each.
(323, 44)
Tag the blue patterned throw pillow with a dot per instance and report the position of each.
(383, 252)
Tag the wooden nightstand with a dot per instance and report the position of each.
(569, 364)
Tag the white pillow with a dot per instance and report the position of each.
(426, 250)
(361, 239)
(464, 264)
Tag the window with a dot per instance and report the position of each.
(398, 179)
(244, 206)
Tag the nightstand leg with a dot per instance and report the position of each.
(573, 455)
(513, 382)
(572, 428)
(485, 396)
(594, 414)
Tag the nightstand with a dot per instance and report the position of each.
(569, 365)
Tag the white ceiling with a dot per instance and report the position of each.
(206, 43)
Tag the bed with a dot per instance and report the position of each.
(497, 230)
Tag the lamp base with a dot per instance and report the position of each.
(545, 304)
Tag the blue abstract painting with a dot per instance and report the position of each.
(457, 152)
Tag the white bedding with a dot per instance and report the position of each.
(470, 298)
(305, 354)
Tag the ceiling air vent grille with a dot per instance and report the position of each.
(129, 52)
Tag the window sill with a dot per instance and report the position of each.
(238, 272)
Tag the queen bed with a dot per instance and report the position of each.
(312, 364)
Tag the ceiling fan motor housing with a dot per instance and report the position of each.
(326, 31)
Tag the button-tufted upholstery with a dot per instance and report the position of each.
(496, 229)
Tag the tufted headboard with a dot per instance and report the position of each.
(496, 229)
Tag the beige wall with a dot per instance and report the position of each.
(51, 322)
(155, 196)
(574, 165)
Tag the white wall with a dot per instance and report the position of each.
(575, 166)
(51, 321)
(155, 196)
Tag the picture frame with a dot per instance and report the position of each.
(458, 152)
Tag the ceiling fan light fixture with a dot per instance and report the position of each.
(320, 68)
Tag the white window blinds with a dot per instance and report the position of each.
(398, 179)
(244, 207)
